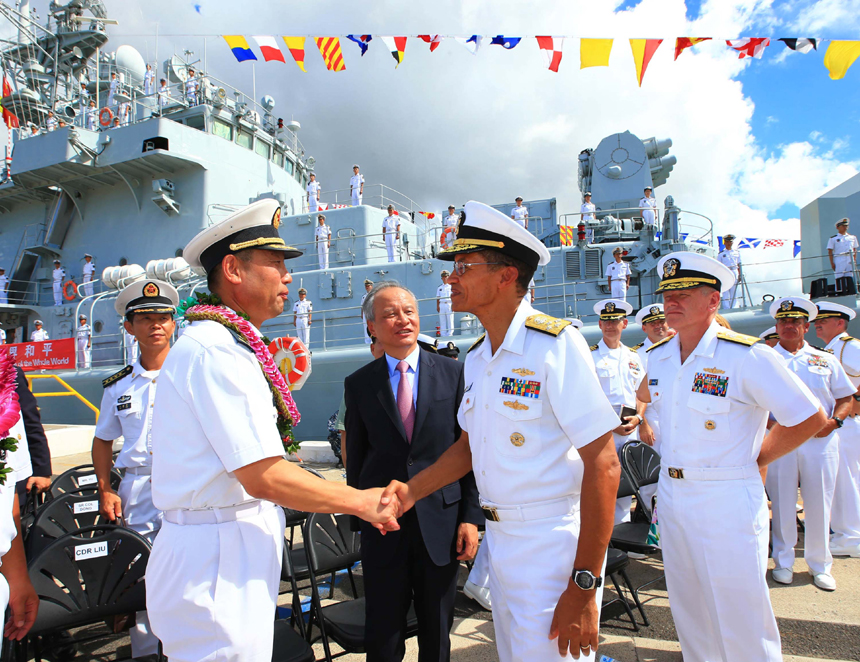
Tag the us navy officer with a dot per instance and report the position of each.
(618, 276)
(547, 472)
(770, 337)
(841, 248)
(126, 411)
(652, 319)
(713, 389)
(831, 325)
(731, 258)
(218, 445)
(815, 463)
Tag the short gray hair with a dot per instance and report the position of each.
(367, 306)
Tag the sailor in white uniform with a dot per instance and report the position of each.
(83, 343)
(831, 325)
(92, 116)
(163, 95)
(391, 232)
(539, 462)
(191, 88)
(112, 90)
(587, 209)
(356, 186)
(648, 205)
(4, 287)
(451, 219)
(88, 270)
(815, 463)
(302, 312)
(212, 579)
(58, 274)
(51, 122)
(520, 214)
(39, 334)
(841, 248)
(443, 307)
(713, 389)
(618, 275)
(322, 237)
(368, 285)
(620, 372)
(770, 337)
(126, 411)
(313, 189)
(149, 81)
(731, 258)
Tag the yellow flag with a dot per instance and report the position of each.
(594, 52)
(643, 51)
(840, 56)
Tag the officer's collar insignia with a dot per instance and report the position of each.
(150, 290)
(787, 305)
(670, 267)
(655, 310)
(522, 372)
(276, 218)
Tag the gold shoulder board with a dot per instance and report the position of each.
(847, 338)
(658, 343)
(593, 347)
(117, 376)
(477, 342)
(546, 324)
(738, 338)
(636, 347)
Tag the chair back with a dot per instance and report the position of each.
(642, 462)
(81, 478)
(329, 544)
(61, 516)
(626, 488)
(89, 576)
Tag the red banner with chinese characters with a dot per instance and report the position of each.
(43, 355)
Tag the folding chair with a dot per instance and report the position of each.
(289, 645)
(61, 516)
(616, 562)
(81, 478)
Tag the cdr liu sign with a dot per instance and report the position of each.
(91, 551)
(43, 355)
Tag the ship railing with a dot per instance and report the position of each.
(375, 195)
(435, 232)
(691, 232)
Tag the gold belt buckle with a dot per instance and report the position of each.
(676, 473)
(491, 514)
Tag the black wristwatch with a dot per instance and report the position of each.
(585, 580)
(839, 422)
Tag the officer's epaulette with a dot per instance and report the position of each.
(546, 324)
(240, 339)
(738, 338)
(593, 347)
(477, 342)
(659, 342)
(117, 376)
(819, 348)
(637, 347)
(847, 338)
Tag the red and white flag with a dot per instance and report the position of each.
(429, 215)
(774, 243)
(433, 39)
(552, 47)
(269, 49)
(749, 47)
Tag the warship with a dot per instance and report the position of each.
(104, 163)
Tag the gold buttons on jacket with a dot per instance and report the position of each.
(517, 439)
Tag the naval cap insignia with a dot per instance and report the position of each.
(276, 218)
(671, 267)
(610, 307)
(655, 310)
(517, 439)
(150, 290)
(787, 305)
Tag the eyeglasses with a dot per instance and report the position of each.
(459, 268)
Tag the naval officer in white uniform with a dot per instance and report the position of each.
(126, 411)
(713, 389)
(770, 337)
(302, 312)
(618, 275)
(451, 219)
(520, 214)
(218, 469)
(648, 205)
(322, 237)
(831, 325)
(391, 232)
(814, 465)
(39, 334)
(842, 248)
(83, 343)
(356, 186)
(313, 193)
(587, 209)
(731, 258)
(57, 276)
(443, 307)
(88, 270)
(652, 319)
(547, 471)
(4, 287)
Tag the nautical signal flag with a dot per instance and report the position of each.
(397, 46)
(552, 47)
(9, 119)
(434, 40)
(801, 45)
(505, 42)
(565, 233)
(643, 51)
(429, 215)
(363, 41)
(840, 56)
(594, 52)
(329, 48)
(472, 43)
(239, 45)
(683, 43)
(269, 49)
(749, 47)
(296, 46)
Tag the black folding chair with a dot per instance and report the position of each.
(616, 562)
(61, 516)
(81, 479)
(289, 645)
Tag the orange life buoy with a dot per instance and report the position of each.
(105, 116)
(448, 235)
(293, 360)
(70, 290)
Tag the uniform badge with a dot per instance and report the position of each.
(517, 439)
(521, 387)
(127, 405)
(523, 372)
(150, 290)
(818, 361)
(710, 384)
(670, 267)
(714, 371)
(610, 307)
(655, 310)
(633, 366)
(276, 218)
(515, 404)
(123, 398)
(786, 305)
(652, 382)
(710, 425)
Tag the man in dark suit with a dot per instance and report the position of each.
(37, 442)
(401, 415)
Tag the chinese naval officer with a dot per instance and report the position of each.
(218, 470)
(547, 472)
(712, 390)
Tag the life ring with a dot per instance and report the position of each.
(293, 360)
(70, 290)
(105, 116)
(448, 235)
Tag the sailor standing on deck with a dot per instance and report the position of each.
(126, 411)
(39, 334)
(731, 258)
(443, 307)
(587, 209)
(648, 205)
(368, 285)
(356, 186)
(302, 313)
(547, 472)
(322, 237)
(218, 469)
(58, 274)
(831, 325)
(83, 343)
(4, 287)
(92, 116)
(391, 232)
(712, 389)
(841, 248)
(520, 214)
(451, 219)
(113, 89)
(88, 270)
(149, 80)
(313, 193)
(618, 275)
(191, 88)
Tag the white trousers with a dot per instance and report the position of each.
(87, 285)
(303, 330)
(143, 517)
(390, 243)
(322, 252)
(714, 540)
(58, 293)
(313, 205)
(525, 592)
(83, 355)
(356, 198)
(4, 296)
(212, 589)
(619, 289)
(844, 267)
(446, 319)
(480, 573)
(729, 299)
(813, 465)
(845, 512)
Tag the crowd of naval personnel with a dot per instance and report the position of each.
(521, 438)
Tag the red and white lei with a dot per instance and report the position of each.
(10, 411)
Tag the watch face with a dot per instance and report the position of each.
(584, 580)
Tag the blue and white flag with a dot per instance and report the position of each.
(505, 42)
(796, 247)
(363, 40)
(749, 242)
(472, 44)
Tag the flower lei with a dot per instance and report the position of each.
(10, 412)
(210, 307)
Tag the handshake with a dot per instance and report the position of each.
(382, 507)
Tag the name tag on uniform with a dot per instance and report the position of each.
(520, 387)
(710, 384)
(127, 405)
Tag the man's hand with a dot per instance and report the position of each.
(646, 433)
(24, 605)
(110, 505)
(829, 428)
(402, 493)
(628, 426)
(574, 622)
(380, 510)
(39, 482)
(467, 541)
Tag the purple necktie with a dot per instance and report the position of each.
(404, 401)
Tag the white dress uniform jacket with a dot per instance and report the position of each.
(843, 247)
(519, 214)
(82, 341)
(212, 579)
(91, 115)
(4, 292)
(446, 315)
(302, 310)
(149, 82)
(845, 512)
(313, 195)
(732, 260)
(649, 210)
(390, 225)
(191, 88)
(524, 435)
(587, 210)
(112, 90)
(451, 220)
(355, 183)
(322, 235)
(713, 409)
(618, 272)
(88, 271)
(813, 465)
(39, 335)
(58, 275)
